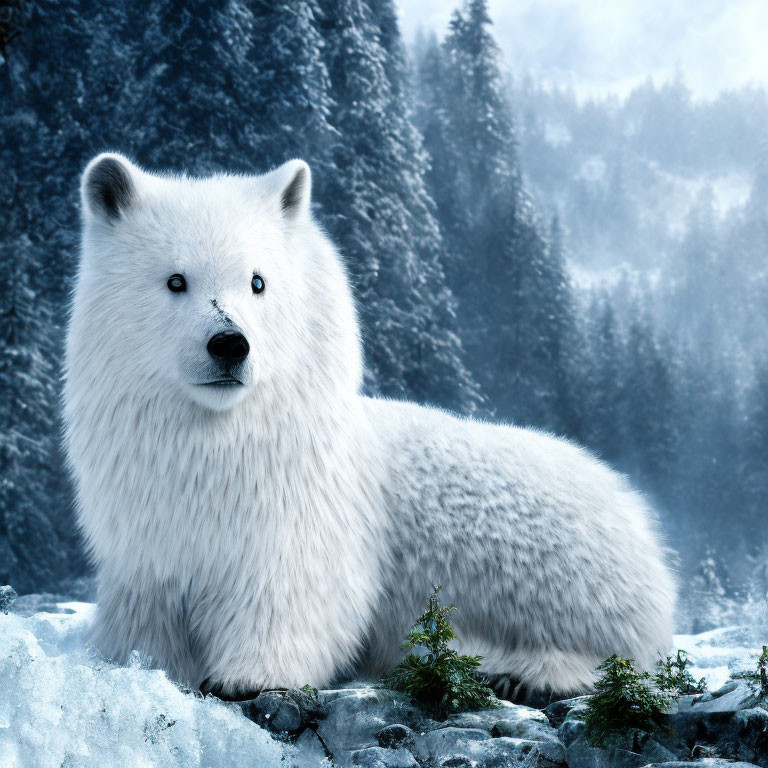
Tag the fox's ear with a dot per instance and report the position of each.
(108, 187)
(291, 183)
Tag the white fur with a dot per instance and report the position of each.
(282, 532)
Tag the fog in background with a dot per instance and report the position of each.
(599, 48)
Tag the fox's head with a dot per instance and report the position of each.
(210, 288)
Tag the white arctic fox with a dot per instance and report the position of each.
(256, 522)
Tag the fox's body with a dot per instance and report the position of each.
(256, 522)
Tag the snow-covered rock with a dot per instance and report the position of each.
(366, 725)
(62, 704)
(354, 718)
(731, 723)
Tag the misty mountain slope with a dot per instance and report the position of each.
(662, 195)
(624, 174)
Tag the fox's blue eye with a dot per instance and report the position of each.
(257, 283)
(177, 283)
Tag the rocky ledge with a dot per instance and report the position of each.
(378, 728)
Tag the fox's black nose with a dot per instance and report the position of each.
(230, 347)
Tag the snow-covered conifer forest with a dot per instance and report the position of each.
(591, 267)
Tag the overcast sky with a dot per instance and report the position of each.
(611, 45)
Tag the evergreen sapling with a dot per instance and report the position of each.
(624, 700)
(441, 680)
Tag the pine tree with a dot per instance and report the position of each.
(754, 470)
(554, 315)
(378, 209)
(38, 542)
(708, 473)
(196, 70)
(511, 285)
(692, 303)
(291, 89)
(44, 126)
(432, 115)
(648, 407)
(602, 380)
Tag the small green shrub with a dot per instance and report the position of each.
(674, 678)
(439, 679)
(624, 699)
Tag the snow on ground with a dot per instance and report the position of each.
(721, 652)
(63, 705)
